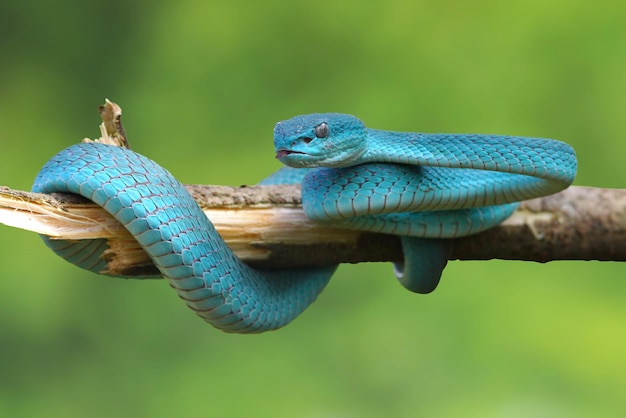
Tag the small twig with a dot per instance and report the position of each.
(111, 128)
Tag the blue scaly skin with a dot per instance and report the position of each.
(373, 180)
(410, 184)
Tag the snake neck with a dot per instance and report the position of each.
(395, 147)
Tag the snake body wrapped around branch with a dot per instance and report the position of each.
(427, 188)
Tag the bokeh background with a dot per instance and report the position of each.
(202, 84)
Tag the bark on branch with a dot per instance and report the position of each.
(266, 227)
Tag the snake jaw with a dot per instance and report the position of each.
(282, 153)
(292, 158)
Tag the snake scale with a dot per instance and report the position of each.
(426, 188)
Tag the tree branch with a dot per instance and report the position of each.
(266, 227)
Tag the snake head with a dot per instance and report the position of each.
(320, 140)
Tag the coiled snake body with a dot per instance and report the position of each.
(424, 187)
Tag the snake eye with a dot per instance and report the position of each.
(321, 130)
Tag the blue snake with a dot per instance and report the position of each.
(427, 188)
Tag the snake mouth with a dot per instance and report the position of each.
(282, 153)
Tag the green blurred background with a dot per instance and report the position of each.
(202, 84)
